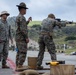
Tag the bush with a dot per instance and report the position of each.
(36, 26)
(70, 38)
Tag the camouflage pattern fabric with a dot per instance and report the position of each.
(48, 25)
(21, 53)
(5, 34)
(4, 47)
(21, 35)
(5, 31)
(46, 40)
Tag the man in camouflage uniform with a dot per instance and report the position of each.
(46, 39)
(5, 34)
(21, 35)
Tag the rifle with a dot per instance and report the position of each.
(67, 22)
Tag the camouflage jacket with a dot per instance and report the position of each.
(48, 25)
(5, 31)
(21, 31)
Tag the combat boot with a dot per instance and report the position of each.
(20, 67)
(5, 66)
(39, 67)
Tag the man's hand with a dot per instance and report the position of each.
(30, 19)
(27, 40)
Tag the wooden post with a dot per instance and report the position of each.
(32, 62)
(62, 70)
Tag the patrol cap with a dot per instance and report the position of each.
(51, 16)
(4, 13)
(22, 5)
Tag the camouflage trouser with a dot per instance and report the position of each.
(4, 47)
(46, 41)
(21, 53)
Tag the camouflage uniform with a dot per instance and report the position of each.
(5, 33)
(46, 39)
(21, 36)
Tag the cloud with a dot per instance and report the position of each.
(4, 6)
(64, 9)
(39, 9)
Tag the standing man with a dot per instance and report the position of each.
(5, 34)
(46, 39)
(21, 35)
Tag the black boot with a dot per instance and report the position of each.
(39, 67)
(5, 66)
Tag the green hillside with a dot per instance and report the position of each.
(34, 22)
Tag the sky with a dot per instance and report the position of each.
(39, 9)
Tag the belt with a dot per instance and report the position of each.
(44, 33)
(19, 40)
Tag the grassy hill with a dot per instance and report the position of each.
(34, 22)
